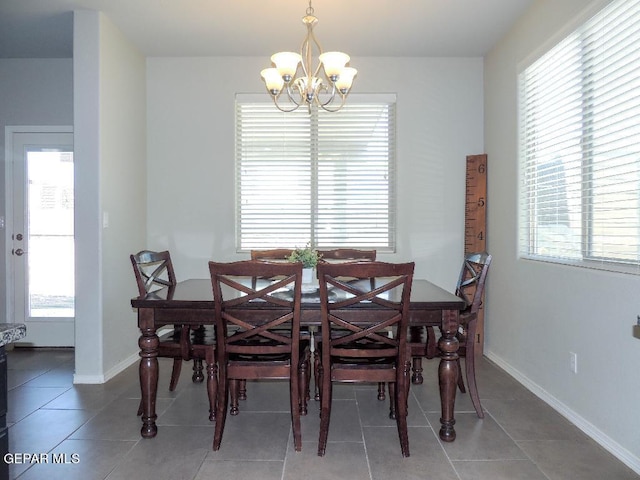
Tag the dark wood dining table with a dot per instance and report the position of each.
(191, 302)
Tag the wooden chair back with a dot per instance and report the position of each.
(155, 269)
(372, 351)
(350, 254)
(272, 254)
(258, 329)
(470, 286)
(152, 269)
(390, 300)
(251, 320)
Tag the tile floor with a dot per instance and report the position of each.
(520, 438)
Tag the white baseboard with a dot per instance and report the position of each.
(609, 444)
(97, 379)
(105, 377)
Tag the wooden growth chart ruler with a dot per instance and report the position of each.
(475, 221)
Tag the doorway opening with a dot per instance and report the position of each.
(39, 178)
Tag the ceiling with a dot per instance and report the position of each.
(461, 28)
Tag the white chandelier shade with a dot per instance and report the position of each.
(325, 86)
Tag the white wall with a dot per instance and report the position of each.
(537, 313)
(123, 154)
(191, 154)
(88, 238)
(110, 152)
(32, 92)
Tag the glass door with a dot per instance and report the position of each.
(42, 237)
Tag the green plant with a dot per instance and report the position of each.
(308, 256)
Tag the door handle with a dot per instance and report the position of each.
(19, 252)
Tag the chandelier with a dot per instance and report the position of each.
(326, 86)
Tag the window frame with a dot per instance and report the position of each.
(528, 222)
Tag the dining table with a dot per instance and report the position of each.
(190, 302)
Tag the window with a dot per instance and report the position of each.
(324, 178)
(580, 146)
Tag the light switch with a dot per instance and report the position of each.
(105, 219)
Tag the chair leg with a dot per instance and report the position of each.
(221, 407)
(233, 393)
(392, 400)
(460, 380)
(407, 385)
(415, 339)
(242, 390)
(304, 377)
(198, 376)
(325, 412)
(417, 378)
(175, 373)
(470, 368)
(381, 394)
(401, 396)
(319, 377)
(212, 386)
(316, 376)
(432, 344)
(294, 393)
(308, 376)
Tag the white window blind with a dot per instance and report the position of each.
(324, 178)
(580, 145)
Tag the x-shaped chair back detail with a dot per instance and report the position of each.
(155, 269)
(258, 330)
(391, 309)
(470, 286)
(371, 350)
(245, 324)
(152, 269)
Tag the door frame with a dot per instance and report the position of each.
(9, 131)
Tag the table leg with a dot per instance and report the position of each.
(148, 344)
(448, 373)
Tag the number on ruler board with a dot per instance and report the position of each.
(475, 204)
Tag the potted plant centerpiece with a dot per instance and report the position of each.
(309, 257)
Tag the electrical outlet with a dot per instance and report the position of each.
(573, 362)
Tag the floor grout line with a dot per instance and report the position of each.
(424, 397)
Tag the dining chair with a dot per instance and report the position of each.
(375, 351)
(269, 255)
(258, 331)
(347, 254)
(337, 254)
(470, 287)
(272, 254)
(182, 343)
(340, 255)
